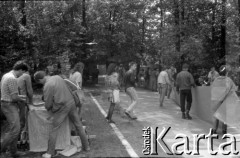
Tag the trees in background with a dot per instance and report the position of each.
(202, 32)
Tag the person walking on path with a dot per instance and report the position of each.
(170, 72)
(184, 83)
(212, 75)
(163, 82)
(121, 73)
(153, 82)
(113, 88)
(10, 103)
(130, 81)
(147, 78)
(60, 103)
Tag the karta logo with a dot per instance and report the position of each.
(153, 140)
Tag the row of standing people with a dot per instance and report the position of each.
(184, 82)
(59, 102)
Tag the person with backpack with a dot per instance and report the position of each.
(60, 103)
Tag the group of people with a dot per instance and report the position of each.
(17, 94)
(165, 82)
(184, 82)
(113, 87)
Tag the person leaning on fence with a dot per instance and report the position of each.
(113, 87)
(10, 102)
(222, 87)
(212, 75)
(60, 103)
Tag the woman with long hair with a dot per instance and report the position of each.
(113, 87)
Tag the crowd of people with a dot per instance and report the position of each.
(60, 102)
(166, 80)
(17, 95)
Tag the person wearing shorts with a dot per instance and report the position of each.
(130, 80)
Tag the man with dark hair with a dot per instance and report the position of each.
(10, 102)
(59, 101)
(171, 71)
(163, 82)
(130, 81)
(184, 83)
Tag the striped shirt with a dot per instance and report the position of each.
(8, 86)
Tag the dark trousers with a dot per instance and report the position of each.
(11, 112)
(57, 120)
(185, 94)
(22, 114)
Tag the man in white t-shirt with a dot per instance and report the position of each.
(76, 76)
(163, 82)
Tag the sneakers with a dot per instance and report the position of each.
(188, 116)
(132, 116)
(110, 120)
(183, 116)
(46, 155)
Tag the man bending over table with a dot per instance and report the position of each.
(60, 103)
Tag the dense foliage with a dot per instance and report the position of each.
(201, 32)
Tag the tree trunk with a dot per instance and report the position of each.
(177, 24)
(84, 23)
(110, 21)
(143, 33)
(239, 21)
(161, 32)
(22, 8)
(214, 39)
(182, 16)
(223, 30)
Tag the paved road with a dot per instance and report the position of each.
(150, 114)
(107, 142)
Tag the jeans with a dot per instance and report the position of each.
(22, 114)
(58, 118)
(162, 91)
(185, 94)
(10, 110)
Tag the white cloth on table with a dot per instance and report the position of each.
(39, 127)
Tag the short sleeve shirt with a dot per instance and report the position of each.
(163, 77)
(8, 86)
(76, 77)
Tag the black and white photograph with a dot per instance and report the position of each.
(120, 78)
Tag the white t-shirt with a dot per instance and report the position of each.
(163, 78)
(76, 77)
